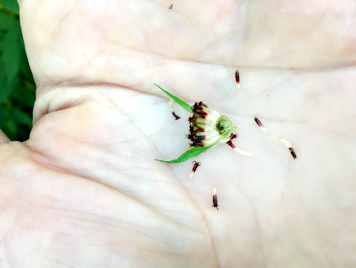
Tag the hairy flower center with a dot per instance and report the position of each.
(223, 125)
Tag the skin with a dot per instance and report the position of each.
(84, 190)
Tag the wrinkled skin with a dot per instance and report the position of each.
(84, 190)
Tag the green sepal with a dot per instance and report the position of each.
(182, 103)
(188, 154)
(228, 131)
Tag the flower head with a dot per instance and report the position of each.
(207, 127)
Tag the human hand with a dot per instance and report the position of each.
(84, 190)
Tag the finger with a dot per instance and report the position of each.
(3, 137)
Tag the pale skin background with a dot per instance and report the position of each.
(84, 190)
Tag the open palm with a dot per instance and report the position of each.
(84, 190)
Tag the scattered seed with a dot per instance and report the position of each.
(172, 111)
(237, 77)
(292, 153)
(258, 122)
(229, 142)
(171, 6)
(196, 165)
(215, 198)
(286, 143)
(233, 136)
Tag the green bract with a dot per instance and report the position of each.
(182, 103)
(188, 154)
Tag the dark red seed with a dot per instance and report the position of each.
(237, 77)
(258, 122)
(198, 106)
(196, 165)
(233, 136)
(200, 116)
(231, 144)
(215, 199)
(202, 104)
(175, 116)
(198, 144)
(201, 112)
(292, 152)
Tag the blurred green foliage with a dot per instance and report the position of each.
(17, 87)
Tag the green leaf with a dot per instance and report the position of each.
(2, 116)
(11, 126)
(6, 20)
(11, 5)
(3, 33)
(182, 103)
(10, 46)
(188, 154)
(21, 117)
(7, 88)
(23, 97)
